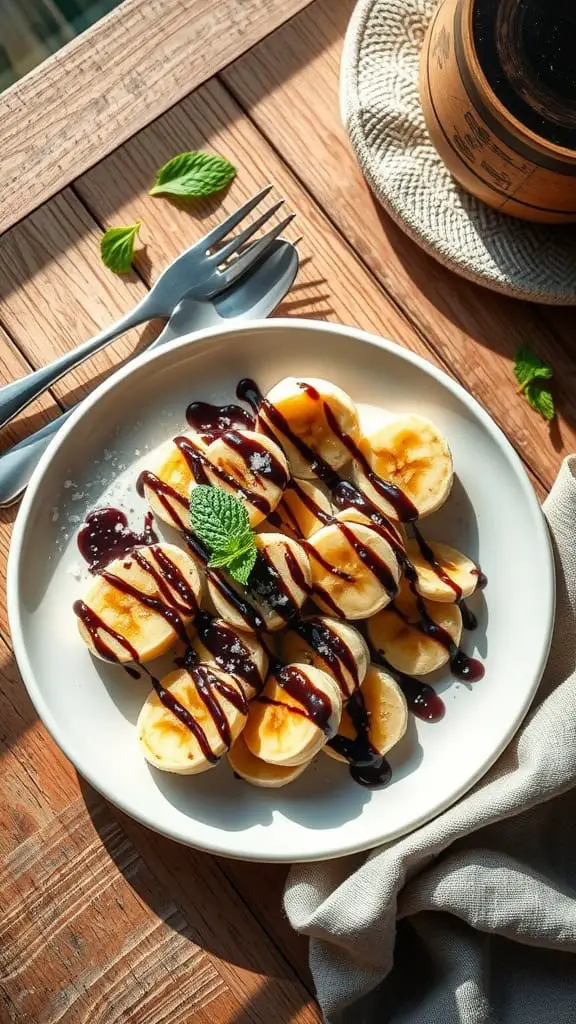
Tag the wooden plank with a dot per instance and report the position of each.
(262, 887)
(332, 285)
(112, 80)
(37, 780)
(472, 331)
(55, 292)
(88, 931)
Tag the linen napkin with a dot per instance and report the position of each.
(470, 919)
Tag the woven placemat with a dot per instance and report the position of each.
(382, 114)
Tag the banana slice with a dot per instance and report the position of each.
(234, 651)
(331, 645)
(279, 584)
(354, 570)
(315, 412)
(252, 467)
(450, 565)
(395, 633)
(304, 508)
(380, 708)
(396, 530)
(411, 453)
(170, 467)
(214, 710)
(138, 606)
(261, 773)
(291, 720)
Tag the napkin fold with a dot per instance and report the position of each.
(471, 919)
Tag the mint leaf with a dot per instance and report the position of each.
(531, 372)
(117, 247)
(235, 548)
(217, 516)
(221, 520)
(241, 567)
(529, 366)
(193, 174)
(542, 373)
(540, 398)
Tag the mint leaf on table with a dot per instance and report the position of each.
(221, 521)
(117, 247)
(194, 174)
(540, 398)
(532, 374)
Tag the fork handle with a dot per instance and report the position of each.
(16, 396)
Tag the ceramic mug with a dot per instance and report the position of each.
(498, 89)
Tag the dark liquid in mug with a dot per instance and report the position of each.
(526, 49)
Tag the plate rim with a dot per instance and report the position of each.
(546, 586)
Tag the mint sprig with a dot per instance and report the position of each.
(221, 521)
(532, 376)
(193, 175)
(117, 247)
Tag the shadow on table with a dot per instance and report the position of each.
(194, 123)
(230, 910)
(19, 714)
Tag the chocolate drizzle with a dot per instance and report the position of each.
(201, 467)
(259, 459)
(210, 421)
(167, 578)
(207, 684)
(333, 650)
(371, 560)
(430, 557)
(309, 503)
(228, 650)
(317, 705)
(268, 587)
(95, 626)
(421, 698)
(405, 510)
(461, 664)
(165, 495)
(155, 604)
(367, 766)
(106, 535)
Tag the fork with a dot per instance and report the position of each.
(203, 271)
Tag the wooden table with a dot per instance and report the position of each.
(102, 920)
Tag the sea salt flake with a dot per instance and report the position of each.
(260, 462)
(78, 495)
(323, 649)
(68, 484)
(55, 514)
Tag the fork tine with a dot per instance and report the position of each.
(221, 230)
(253, 254)
(236, 243)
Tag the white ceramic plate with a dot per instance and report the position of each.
(90, 708)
